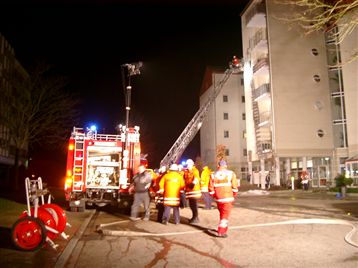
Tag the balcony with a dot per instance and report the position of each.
(259, 40)
(264, 147)
(261, 92)
(256, 16)
(263, 134)
(261, 66)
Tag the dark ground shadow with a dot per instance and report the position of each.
(5, 238)
(350, 208)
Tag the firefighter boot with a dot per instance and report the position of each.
(222, 232)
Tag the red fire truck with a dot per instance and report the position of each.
(100, 167)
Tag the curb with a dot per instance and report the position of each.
(66, 253)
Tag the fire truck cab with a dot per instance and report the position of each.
(100, 167)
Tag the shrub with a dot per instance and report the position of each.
(341, 180)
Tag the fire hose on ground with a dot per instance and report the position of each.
(348, 238)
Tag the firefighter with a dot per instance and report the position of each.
(170, 186)
(158, 199)
(204, 184)
(140, 185)
(223, 186)
(192, 189)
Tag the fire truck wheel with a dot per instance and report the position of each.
(90, 206)
(28, 234)
(81, 209)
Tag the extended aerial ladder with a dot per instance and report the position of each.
(194, 125)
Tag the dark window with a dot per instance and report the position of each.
(243, 99)
(227, 152)
(245, 152)
(242, 81)
(225, 98)
(226, 134)
(314, 51)
(316, 78)
(226, 116)
(243, 116)
(320, 133)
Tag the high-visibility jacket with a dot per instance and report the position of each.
(204, 179)
(158, 196)
(223, 186)
(170, 186)
(192, 183)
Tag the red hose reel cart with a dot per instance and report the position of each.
(41, 223)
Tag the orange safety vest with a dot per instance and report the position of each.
(170, 186)
(192, 183)
(223, 185)
(204, 180)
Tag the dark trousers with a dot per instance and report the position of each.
(160, 208)
(140, 198)
(207, 199)
(166, 214)
(182, 200)
(193, 204)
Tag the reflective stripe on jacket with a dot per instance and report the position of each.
(204, 179)
(170, 185)
(223, 185)
(192, 183)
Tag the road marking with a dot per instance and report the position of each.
(347, 238)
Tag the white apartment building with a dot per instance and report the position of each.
(301, 115)
(225, 121)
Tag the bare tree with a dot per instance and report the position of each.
(220, 152)
(36, 110)
(336, 17)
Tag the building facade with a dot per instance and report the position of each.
(296, 106)
(224, 124)
(10, 70)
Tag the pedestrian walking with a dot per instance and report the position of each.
(304, 180)
(140, 185)
(223, 186)
(267, 181)
(170, 186)
(192, 189)
(204, 184)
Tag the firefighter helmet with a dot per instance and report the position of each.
(174, 167)
(189, 162)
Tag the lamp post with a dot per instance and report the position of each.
(128, 70)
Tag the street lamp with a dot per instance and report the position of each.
(128, 70)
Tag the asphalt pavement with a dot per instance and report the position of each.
(266, 229)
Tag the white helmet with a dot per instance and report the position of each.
(189, 162)
(174, 167)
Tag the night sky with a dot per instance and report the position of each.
(90, 40)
